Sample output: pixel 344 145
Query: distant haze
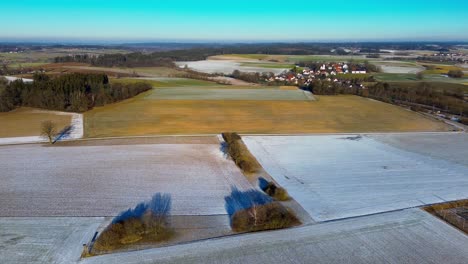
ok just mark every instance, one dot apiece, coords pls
pixel 260 20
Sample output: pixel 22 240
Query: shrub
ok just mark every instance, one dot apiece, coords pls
pixel 252 210
pixel 263 217
pixel 464 120
pixel 240 153
pixel 455 73
pixel 147 221
pixel 270 188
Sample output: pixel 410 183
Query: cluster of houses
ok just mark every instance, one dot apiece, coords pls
pixel 327 71
pixel 453 57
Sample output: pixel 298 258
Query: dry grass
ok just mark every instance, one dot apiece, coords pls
pixel 454 213
pixel 141 116
pixel 439 68
pixel 25 121
pixel 263 217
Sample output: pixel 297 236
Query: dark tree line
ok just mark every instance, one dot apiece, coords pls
pixel 418 95
pixel 74 92
pixel 252 77
pixel 423 95
pixel 136 59
pixel 324 87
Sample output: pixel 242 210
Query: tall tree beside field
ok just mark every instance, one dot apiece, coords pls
pixel 48 131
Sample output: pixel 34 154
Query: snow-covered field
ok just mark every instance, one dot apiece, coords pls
pixel 45 240
pixel 338 176
pixel 398 67
pixel 224 66
pixel 103 180
pixel 408 236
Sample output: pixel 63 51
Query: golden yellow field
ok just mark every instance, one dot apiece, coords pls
pixel 440 68
pixel 143 116
pixel 25 121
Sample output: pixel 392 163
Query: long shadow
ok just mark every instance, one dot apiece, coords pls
pixel 239 200
pixel 64 133
pixel 159 205
pixel 223 147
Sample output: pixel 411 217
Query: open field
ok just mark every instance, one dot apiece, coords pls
pixel 268 65
pixel 165 81
pixel 288 58
pixel 439 68
pixel 451 148
pixel 105 179
pixel 228 66
pixel 73 67
pixel 410 77
pixel 31 58
pixel 409 236
pixel 25 121
pixel 399 67
pixel 229 94
pixel 342 176
pixel 141 71
pixel 144 116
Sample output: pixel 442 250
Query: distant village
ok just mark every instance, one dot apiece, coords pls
pixel 327 71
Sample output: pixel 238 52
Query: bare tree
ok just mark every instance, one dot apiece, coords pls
pixel 48 130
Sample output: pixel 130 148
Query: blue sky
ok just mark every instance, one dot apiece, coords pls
pixel 235 20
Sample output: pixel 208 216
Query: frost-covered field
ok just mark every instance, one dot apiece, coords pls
pixel 452 148
pixel 224 66
pixel 45 240
pixel 408 236
pixel 104 180
pixel 338 176
pixel 399 67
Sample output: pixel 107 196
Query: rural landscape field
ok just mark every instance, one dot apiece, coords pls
pixel 149 132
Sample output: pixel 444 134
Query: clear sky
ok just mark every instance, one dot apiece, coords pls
pixel 234 20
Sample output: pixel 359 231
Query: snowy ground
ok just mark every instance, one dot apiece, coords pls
pixel 409 236
pixel 103 180
pixel 76 133
pixel 398 67
pixel 51 240
pixel 338 176
pixel 12 79
pixel 225 67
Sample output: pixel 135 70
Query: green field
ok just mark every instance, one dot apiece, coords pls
pixel 268 65
pixel 294 58
pixel 227 93
pixel 409 77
